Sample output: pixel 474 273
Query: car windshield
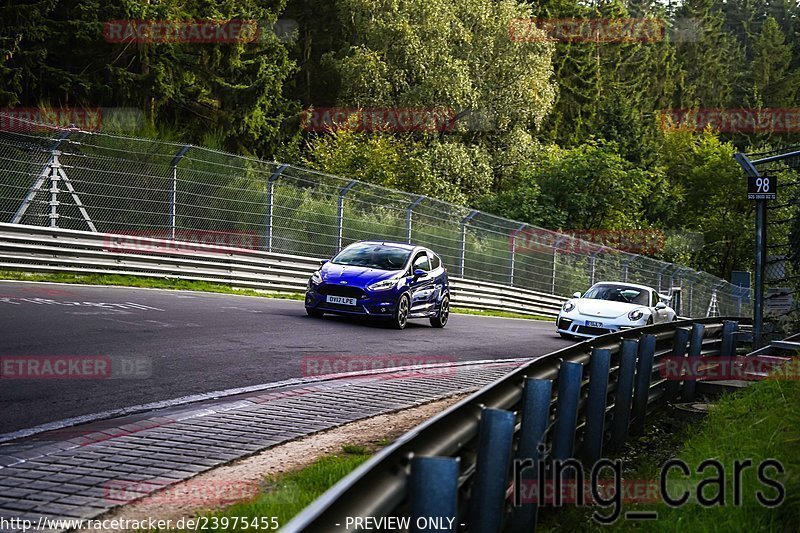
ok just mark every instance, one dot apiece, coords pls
pixel 378 256
pixel 618 293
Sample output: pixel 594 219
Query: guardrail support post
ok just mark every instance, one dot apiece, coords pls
pixel 409 211
pixel 487 500
pixel 599 366
pixel 644 372
pixel 433 492
pixel 463 226
pixel 624 394
pixel 514 252
pixel 728 347
pixel 173 194
pixel 271 203
pixel 535 416
pixel 695 347
pixel 569 390
pixel 340 213
pixel 680 343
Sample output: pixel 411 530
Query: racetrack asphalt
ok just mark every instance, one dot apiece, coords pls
pixel 177 343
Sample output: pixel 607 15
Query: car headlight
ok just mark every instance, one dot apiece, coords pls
pixel 316 278
pixel 567 307
pixel 635 315
pixel 382 285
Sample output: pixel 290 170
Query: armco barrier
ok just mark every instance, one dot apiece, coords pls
pixel 44 249
pixel 457 465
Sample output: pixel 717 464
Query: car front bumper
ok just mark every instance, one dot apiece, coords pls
pixel 368 303
pixel 579 327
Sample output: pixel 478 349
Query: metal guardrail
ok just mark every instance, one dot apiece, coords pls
pixel 459 461
pixel 43 249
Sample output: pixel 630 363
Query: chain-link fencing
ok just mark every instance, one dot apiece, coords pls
pixel 142 187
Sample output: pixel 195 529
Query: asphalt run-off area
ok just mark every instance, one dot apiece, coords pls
pixel 166 344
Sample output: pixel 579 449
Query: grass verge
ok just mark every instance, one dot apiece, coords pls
pixel 501 314
pixel 145 282
pixel 285 496
pixel 760 423
pixel 200 286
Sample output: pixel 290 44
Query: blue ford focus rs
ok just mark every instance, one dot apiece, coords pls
pixel 390 281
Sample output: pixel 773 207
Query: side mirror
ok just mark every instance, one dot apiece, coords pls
pixel 661 305
pixel 323 262
pixel 418 273
pixel 576 295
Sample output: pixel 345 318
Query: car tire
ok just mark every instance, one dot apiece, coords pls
pixel 400 318
pixel 440 320
pixel 565 336
pixel 316 313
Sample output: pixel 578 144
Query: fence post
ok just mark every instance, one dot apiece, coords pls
pixel 271 202
pixel 514 251
pixel 54 179
pixel 409 210
pixel 644 372
pixel 569 390
pixel 340 212
pixel 625 264
pixel 487 500
pixel 173 195
pixel 622 400
pixel 592 259
pixel 660 274
pixel 433 491
pixel 596 402
pixel 463 225
pixel 695 348
pixel 535 417
pixel 555 261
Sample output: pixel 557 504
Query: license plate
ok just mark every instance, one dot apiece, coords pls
pixel 341 300
pixel 594 324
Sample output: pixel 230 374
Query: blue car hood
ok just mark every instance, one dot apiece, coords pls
pixel 354 276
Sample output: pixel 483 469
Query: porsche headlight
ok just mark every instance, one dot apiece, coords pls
pixel 635 315
pixel 567 307
pixel 316 278
pixel 382 285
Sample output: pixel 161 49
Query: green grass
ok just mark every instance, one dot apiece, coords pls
pixel 146 282
pixel 758 423
pixel 501 314
pixel 201 286
pixel 285 496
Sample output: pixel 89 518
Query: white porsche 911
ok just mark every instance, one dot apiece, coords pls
pixel 611 306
